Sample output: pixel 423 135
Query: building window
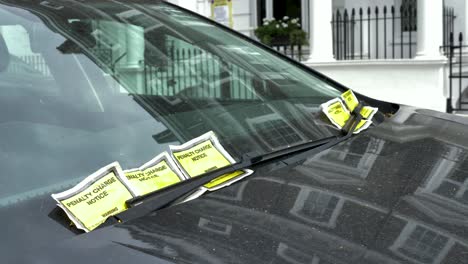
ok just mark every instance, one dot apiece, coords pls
pixel 295 256
pixel 408 15
pixel 289 8
pixel 454 184
pixel 214 226
pixel 317 207
pixel 279 9
pixel 421 244
pixel 261 11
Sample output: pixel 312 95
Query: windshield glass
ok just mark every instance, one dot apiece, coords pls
pixel 86 84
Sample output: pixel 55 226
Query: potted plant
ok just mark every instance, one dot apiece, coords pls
pixel 281 32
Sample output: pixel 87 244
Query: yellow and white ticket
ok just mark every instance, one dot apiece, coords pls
pixel 227 180
pixel 219 183
pixel 156 174
pixel 201 155
pixel 97 197
pixel 368 112
pixel 363 125
pixel 336 111
pixel 339 111
pixel 350 99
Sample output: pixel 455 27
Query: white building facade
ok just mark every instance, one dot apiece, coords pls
pixel 391 51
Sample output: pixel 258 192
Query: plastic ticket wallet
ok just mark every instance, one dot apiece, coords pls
pixel 339 111
pixel 204 154
pixel 368 112
pixel 99 196
pixel 201 155
pixel 156 174
pixel 350 99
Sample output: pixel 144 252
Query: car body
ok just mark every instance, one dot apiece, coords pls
pixel 395 193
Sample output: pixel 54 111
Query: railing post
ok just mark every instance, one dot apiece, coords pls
pixel 368 32
pixel 460 73
pixel 401 31
pixel 353 21
pixel 338 35
pixel 393 32
pixel 361 40
pixel 449 100
pixel 345 34
pixel 385 31
pixel 377 32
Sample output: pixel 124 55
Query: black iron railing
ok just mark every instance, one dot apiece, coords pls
pixel 195 73
pixel 379 32
pixel 293 51
pixel 458 74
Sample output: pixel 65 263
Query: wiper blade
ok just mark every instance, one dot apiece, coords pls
pixel 159 199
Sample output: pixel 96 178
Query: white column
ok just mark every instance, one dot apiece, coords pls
pixel 430 28
pixel 269 9
pixel 320 35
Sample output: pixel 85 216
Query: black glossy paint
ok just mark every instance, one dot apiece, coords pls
pixel 394 194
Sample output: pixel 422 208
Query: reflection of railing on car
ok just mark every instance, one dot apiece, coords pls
pixel 35 61
pixel 197 74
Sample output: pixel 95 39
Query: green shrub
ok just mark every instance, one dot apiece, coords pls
pixel 283 31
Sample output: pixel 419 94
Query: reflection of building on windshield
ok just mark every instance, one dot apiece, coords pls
pixel 318 207
pixel 347 163
pixel 149 58
pixel 294 256
pixel 275 131
pixel 233 193
pixel 449 177
pixel 215 226
pixel 444 195
pixel 423 245
pixel 23 60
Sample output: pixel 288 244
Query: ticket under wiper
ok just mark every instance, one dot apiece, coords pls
pixel 99 196
pixel 156 174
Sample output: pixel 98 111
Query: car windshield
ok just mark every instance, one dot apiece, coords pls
pixel 86 83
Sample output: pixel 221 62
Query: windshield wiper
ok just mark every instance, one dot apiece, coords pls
pixel 159 199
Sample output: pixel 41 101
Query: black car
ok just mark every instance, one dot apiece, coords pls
pixel 84 83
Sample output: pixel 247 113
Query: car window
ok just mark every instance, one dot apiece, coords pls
pixel 27 71
pixel 115 81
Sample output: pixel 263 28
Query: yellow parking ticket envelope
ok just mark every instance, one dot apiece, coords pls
pixel 336 111
pixel 156 174
pixel 363 125
pixel 368 112
pixel 97 197
pixel 350 99
pixel 227 180
pixel 218 183
pixel 201 155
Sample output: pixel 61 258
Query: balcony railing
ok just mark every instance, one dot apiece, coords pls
pixel 386 32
